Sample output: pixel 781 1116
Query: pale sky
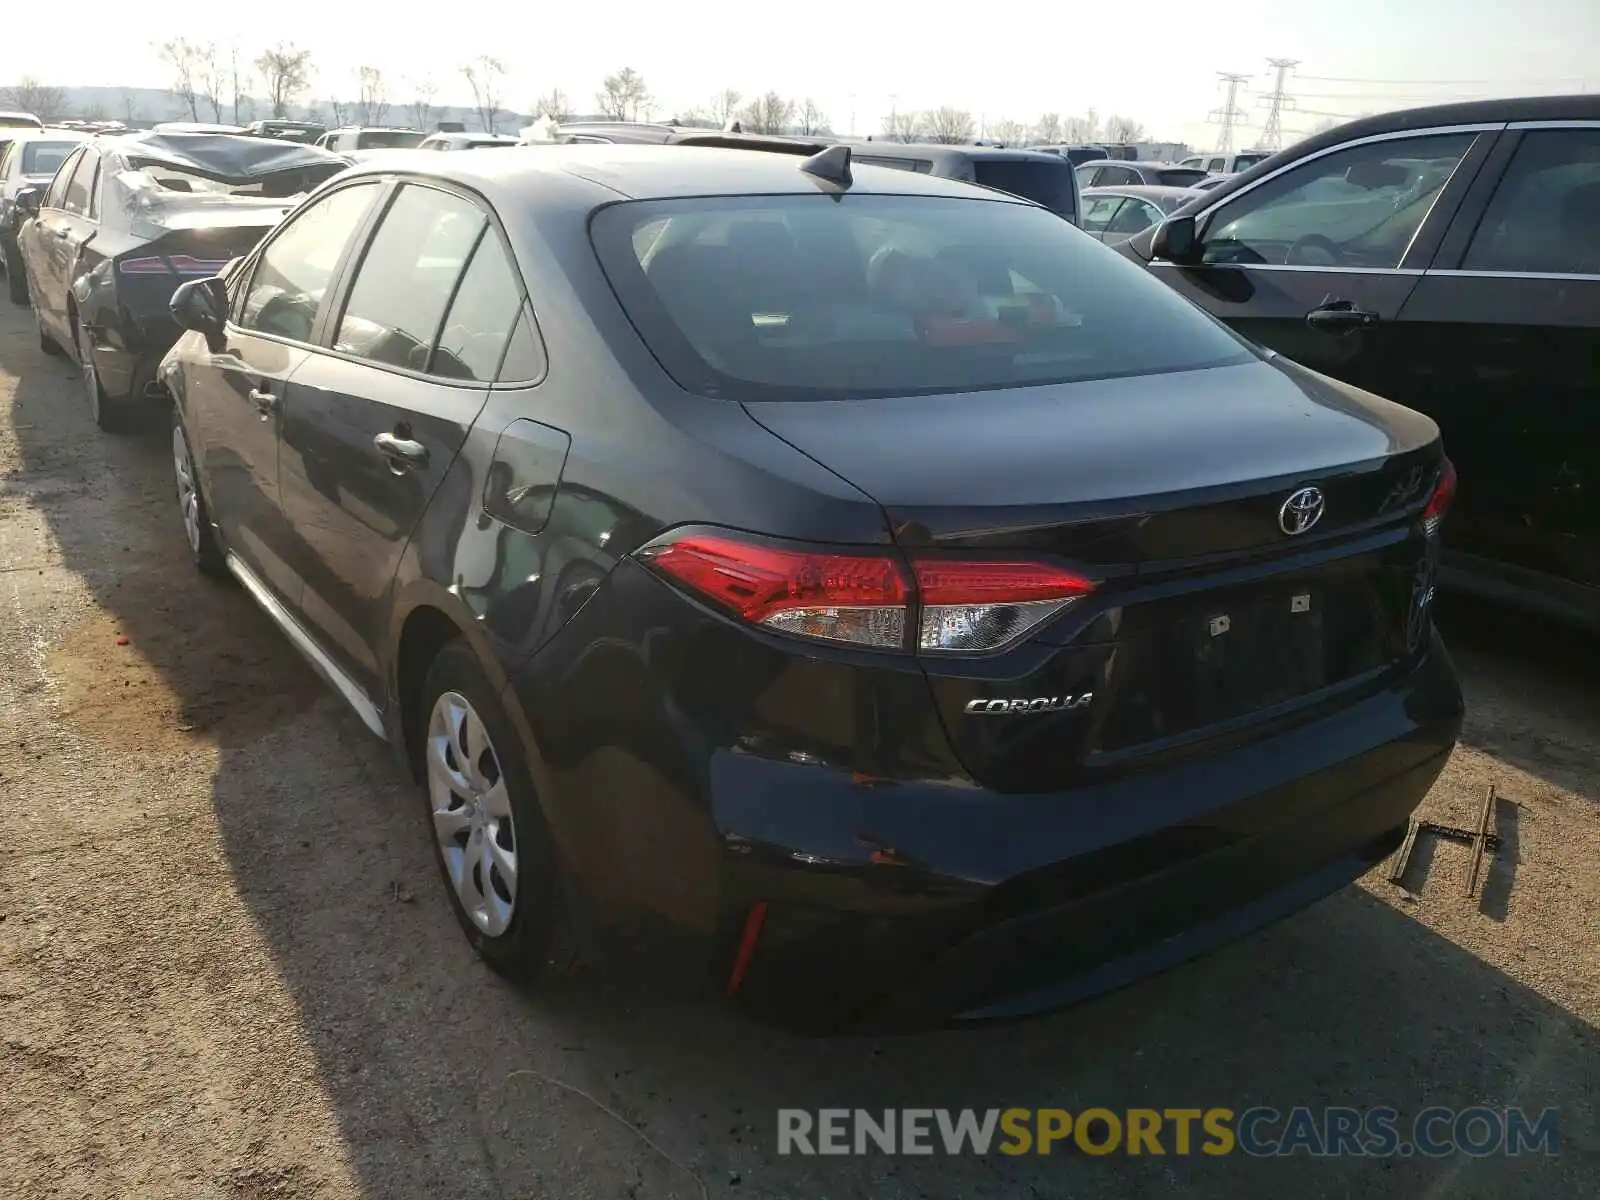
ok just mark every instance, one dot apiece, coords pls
pixel 1155 61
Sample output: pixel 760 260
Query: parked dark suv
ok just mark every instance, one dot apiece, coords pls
pixel 1447 258
pixel 851 591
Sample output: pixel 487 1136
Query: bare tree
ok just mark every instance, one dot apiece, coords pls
pixel 810 117
pixel 950 126
pixel 181 56
pixel 699 118
pixel 1324 125
pixel 1012 133
pixel 95 112
pixel 484 74
pixel 372 102
pixel 31 96
pixel 1081 129
pixel 210 79
pixel 767 114
pixel 1122 130
pixel 340 111
pixel 553 104
pixel 623 96
pixel 239 86
pixel 904 126
pixel 725 105
pixel 421 106
pixel 1047 130
pixel 130 107
pixel 286 74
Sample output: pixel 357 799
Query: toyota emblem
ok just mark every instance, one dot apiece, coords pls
pixel 1301 511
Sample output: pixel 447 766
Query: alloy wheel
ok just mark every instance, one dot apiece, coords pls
pixel 472 818
pixel 188 495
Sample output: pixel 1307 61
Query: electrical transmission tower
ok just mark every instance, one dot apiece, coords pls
pixel 1230 115
pixel 1276 102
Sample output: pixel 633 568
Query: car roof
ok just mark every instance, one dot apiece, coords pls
pixel 637 172
pixel 1148 191
pixel 938 150
pixel 1147 164
pixel 51 133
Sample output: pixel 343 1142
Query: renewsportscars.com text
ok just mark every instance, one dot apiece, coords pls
pixel 1259 1131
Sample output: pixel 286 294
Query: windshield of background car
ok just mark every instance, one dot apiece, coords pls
pixel 43 158
pixel 1046 183
pixel 385 139
pixel 1180 176
pixel 831 298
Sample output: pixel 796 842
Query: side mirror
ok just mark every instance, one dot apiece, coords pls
pixel 201 305
pixel 29 198
pixel 1176 240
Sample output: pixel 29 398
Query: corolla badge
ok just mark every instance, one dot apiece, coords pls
pixel 1038 704
pixel 1301 511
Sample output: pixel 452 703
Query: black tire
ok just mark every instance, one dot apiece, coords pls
pixel 47 343
pixel 16 278
pixel 536 944
pixel 109 415
pixel 205 548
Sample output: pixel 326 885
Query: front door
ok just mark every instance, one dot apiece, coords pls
pixel 1313 262
pixel 54 243
pixel 375 420
pixel 237 387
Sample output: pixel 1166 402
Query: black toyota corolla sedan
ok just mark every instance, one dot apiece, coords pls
pixel 860 594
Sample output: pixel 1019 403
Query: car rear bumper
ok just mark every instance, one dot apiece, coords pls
pixel 905 904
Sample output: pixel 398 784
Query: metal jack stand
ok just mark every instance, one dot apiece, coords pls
pixel 1480 839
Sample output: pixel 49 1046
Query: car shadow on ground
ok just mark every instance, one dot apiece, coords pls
pixel 447 1082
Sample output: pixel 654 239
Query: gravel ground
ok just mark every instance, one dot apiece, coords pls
pixel 226 969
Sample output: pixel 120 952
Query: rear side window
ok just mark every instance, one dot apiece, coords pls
pixel 44 158
pixel 57 194
pixel 1179 177
pixel 485 307
pixel 407 277
pixel 811 297
pixel 1545 217
pixel 1044 182
pixel 76 198
pixel 292 274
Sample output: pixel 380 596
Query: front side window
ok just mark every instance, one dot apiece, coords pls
pixel 1356 207
pixel 58 185
pixel 1133 217
pixel 1545 216
pixel 1216 164
pixel 815 297
pixel 294 269
pixel 407 277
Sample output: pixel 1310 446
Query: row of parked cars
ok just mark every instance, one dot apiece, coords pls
pixel 816 574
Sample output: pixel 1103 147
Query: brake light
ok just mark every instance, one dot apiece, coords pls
pixel 960 605
pixel 1444 494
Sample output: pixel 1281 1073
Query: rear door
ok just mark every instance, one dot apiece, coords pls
pixel 1317 259
pixel 236 388
pixel 374 419
pixel 1518 282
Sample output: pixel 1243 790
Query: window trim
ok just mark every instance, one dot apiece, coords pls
pixel 247 273
pixel 327 325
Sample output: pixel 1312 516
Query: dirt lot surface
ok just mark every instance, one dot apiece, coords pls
pixel 226 969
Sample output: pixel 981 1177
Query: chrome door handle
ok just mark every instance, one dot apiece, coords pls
pixel 401 452
pixel 266 403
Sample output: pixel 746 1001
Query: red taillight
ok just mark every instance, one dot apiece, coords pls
pixel 857 598
pixel 1444 493
pixel 969 605
pixel 976 605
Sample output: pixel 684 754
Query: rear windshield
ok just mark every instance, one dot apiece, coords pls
pixel 42 158
pixel 1046 183
pixel 383 139
pixel 1180 176
pixel 808 297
